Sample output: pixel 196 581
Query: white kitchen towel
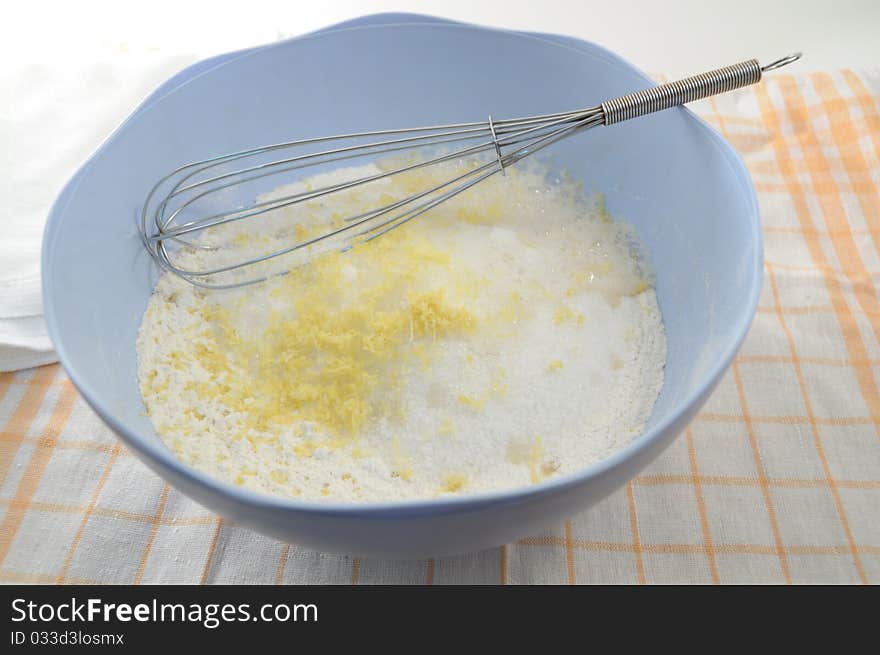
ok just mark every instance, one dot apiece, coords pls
pixel 53 114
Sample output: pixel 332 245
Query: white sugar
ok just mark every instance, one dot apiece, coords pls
pixel 552 360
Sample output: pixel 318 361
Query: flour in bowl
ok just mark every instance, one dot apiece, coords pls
pixel 508 336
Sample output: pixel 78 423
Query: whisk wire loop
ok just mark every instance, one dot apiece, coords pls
pixel 166 226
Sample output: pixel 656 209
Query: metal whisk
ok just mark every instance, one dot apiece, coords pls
pixel 166 220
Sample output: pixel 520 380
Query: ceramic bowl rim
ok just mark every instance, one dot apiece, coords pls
pixel 154 450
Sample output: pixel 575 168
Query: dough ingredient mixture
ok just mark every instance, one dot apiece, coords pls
pixel 508 336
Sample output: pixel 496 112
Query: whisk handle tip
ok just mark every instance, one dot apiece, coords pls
pixel 680 92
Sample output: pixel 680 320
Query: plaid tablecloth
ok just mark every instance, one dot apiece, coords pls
pixel 777 480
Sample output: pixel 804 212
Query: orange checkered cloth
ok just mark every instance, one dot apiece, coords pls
pixel 777 480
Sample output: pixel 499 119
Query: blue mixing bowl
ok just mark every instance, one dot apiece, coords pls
pixel 671 176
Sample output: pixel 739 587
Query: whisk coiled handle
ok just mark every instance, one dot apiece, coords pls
pixel 683 91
